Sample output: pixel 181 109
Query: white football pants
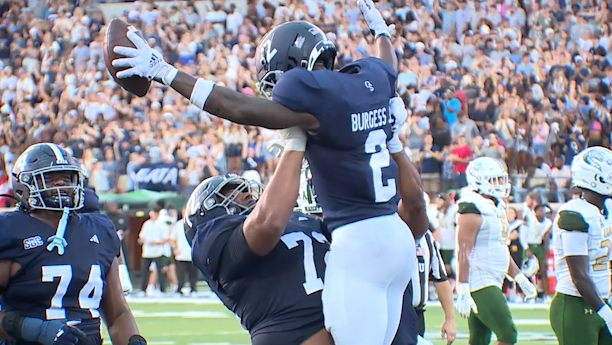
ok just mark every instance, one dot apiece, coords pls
pixel 368 269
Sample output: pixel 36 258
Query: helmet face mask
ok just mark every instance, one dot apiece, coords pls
pixel 291 45
pixel 42 181
pixel 489 177
pixel 221 195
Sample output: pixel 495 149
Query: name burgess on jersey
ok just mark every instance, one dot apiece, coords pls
pixel 368 120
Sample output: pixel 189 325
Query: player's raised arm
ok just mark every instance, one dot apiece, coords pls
pixel 148 63
pixel 412 207
pixel 265 225
pixel 384 47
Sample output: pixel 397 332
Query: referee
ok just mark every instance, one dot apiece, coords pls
pixel 431 266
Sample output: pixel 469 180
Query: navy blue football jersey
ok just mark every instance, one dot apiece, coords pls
pixel 275 293
pixel 51 286
pixel 352 170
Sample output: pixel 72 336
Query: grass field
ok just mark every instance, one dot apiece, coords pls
pixel 204 321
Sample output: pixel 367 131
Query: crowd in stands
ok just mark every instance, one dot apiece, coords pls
pixel 527 82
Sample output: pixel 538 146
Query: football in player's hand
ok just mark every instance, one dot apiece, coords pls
pixel 116 35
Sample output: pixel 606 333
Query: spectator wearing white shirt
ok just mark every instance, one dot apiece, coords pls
pixel 153 236
pixel 182 257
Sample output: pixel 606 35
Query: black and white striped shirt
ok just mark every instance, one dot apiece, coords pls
pixel 429 266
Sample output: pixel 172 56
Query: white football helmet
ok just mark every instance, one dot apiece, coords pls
pixel 489 177
pixel 592 170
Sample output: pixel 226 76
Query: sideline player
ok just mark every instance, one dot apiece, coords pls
pixel 350 126
pixel 58 270
pixel 264 261
pixel 483 255
pixel 582 230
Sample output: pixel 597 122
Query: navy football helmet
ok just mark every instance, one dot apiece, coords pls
pixel 291 45
pixel 217 196
pixel 36 188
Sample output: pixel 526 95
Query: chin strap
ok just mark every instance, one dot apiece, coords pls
pixel 58 241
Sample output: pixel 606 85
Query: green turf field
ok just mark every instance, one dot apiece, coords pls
pixel 204 321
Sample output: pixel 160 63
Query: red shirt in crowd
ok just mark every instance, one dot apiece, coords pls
pixel 463 152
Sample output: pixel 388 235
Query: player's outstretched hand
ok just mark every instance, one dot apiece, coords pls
pixel 143 61
pixel 59 332
pixel 374 19
pixel 528 288
pixel 465 304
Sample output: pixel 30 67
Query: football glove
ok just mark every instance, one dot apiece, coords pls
pixel 143 61
pixel 294 139
pixel 397 109
pixel 53 332
pixel 529 289
pixel 124 277
pixel 376 23
pixel 465 304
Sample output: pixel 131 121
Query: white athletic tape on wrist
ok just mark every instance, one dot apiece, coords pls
pixel 463 289
pixel 521 279
pixel 295 145
pixel 169 75
pixel 605 313
pixel 201 91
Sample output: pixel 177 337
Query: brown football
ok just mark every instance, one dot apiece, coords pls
pixel 116 35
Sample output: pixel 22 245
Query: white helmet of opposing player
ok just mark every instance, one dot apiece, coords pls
pixel 488 176
pixel 592 170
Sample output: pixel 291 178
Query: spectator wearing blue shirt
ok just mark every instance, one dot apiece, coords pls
pixel 451 107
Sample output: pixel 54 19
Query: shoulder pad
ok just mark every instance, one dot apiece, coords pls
pixel 467 207
pixel 103 223
pixel 299 90
pixel 572 221
pixel 209 241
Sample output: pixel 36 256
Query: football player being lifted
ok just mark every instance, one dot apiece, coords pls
pixel 483 255
pixel 58 269
pixel 353 152
pixel 582 238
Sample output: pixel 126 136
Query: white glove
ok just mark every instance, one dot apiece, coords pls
pixel 143 61
pixel 374 19
pixel 606 314
pixel 529 289
pixel 465 304
pixel 397 109
pixel 124 278
pixel 294 139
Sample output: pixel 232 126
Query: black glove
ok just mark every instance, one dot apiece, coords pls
pixel 54 332
pixel 58 332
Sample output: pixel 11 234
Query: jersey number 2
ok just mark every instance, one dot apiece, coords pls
pixel 378 161
pixel 312 282
pixel 89 296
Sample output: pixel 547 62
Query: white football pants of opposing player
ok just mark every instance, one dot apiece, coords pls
pixel 368 269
